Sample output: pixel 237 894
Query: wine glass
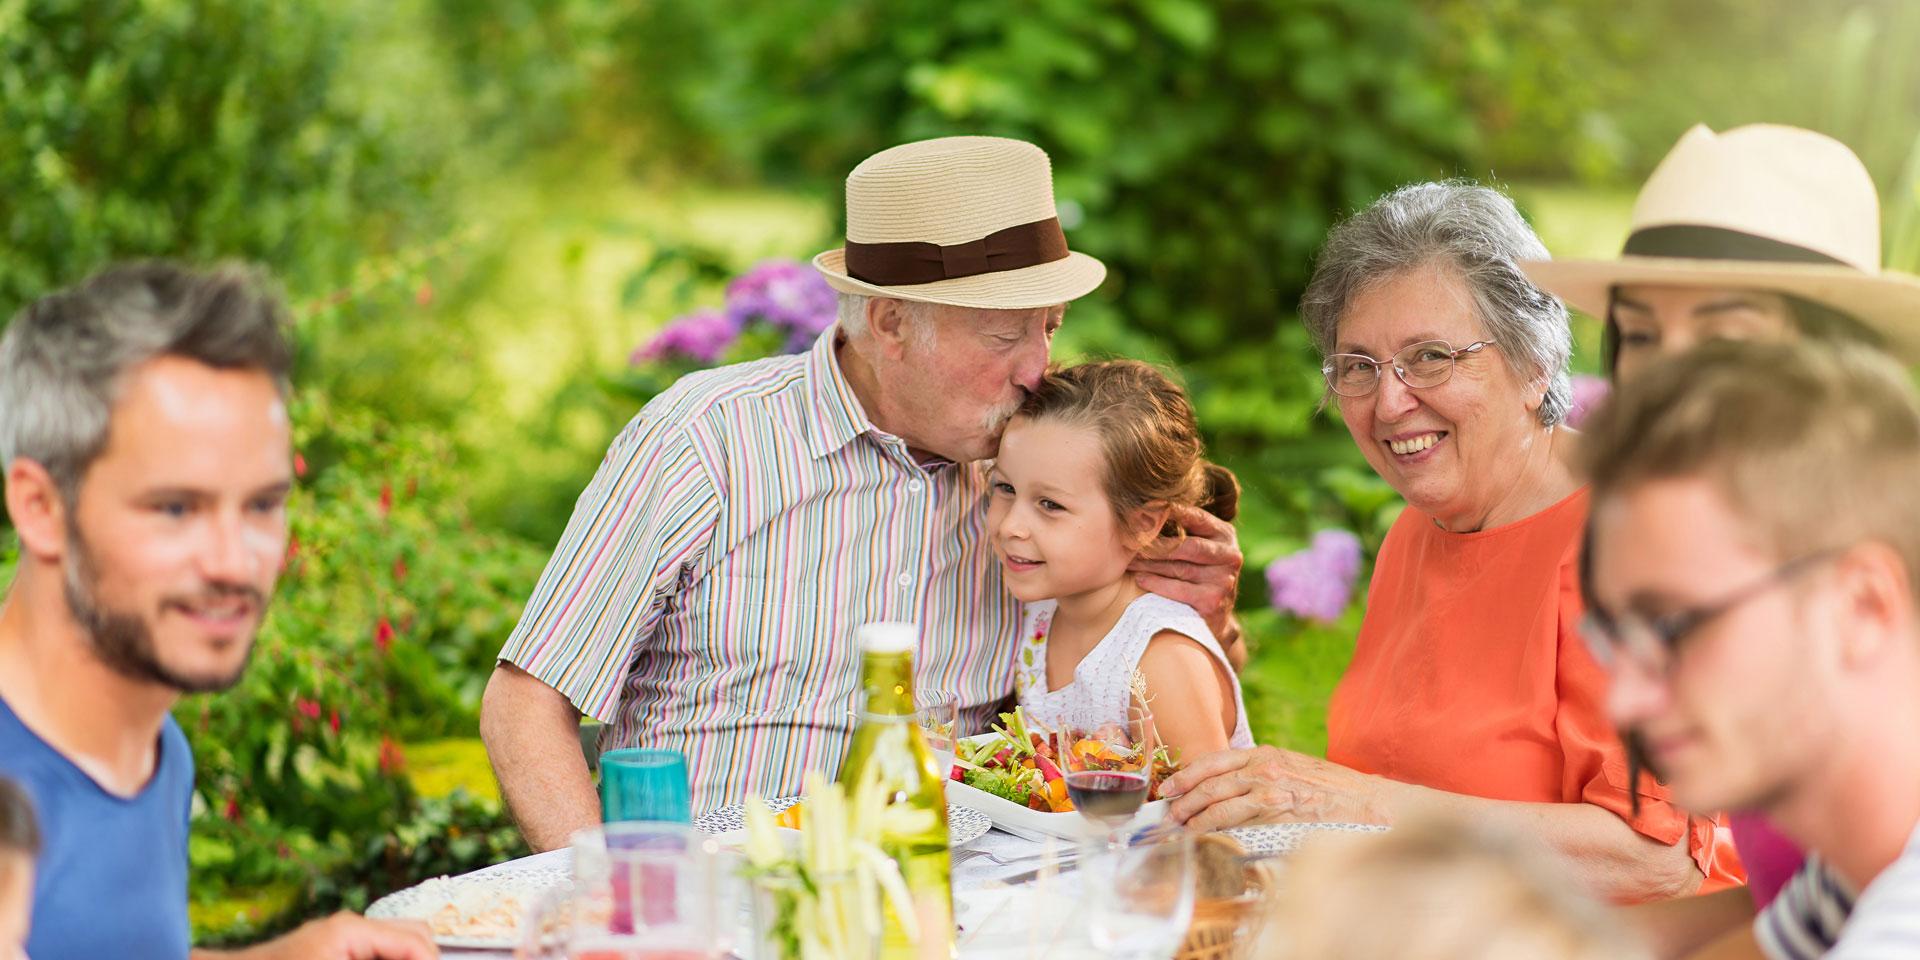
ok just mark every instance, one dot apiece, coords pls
pixel 1139 895
pixel 938 716
pixel 1109 769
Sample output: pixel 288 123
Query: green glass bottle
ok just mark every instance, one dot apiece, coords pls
pixel 888 748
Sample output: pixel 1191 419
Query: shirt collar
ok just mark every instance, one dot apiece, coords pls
pixel 837 415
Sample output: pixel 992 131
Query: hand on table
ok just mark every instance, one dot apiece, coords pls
pixel 1201 570
pixel 1235 788
pixel 346 936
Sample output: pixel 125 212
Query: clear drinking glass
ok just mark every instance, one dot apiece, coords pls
pixel 1138 896
pixel 637 783
pixel 640 891
pixel 938 715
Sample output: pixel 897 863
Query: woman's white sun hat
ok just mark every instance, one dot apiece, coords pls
pixel 966 221
pixel 1759 207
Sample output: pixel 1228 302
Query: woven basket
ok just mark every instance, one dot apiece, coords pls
pixel 1221 925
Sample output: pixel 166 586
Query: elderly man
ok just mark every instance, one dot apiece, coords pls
pixel 143 427
pixel 1755 570
pixel 704 595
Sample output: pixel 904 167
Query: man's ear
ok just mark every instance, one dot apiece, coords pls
pixel 1875 592
pixel 891 324
pixel 38 511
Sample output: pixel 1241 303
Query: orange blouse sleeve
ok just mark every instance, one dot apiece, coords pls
pixel 1595 760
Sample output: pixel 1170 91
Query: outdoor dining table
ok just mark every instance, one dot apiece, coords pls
pixel 1027 918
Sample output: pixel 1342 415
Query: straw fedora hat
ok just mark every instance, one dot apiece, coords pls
pixel 967 221
pixel 1760 207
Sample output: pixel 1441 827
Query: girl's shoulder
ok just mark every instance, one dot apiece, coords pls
pixel 1152 613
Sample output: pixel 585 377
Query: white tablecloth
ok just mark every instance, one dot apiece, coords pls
pixel 1029 919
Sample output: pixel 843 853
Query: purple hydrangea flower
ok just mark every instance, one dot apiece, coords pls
pixel 1317 583
pixel 703 335
pixel 787 294
pixel 1589 392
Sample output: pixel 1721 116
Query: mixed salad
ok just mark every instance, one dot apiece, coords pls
pixel 1022 764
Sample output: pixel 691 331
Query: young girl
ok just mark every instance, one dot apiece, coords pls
pixel 1086 475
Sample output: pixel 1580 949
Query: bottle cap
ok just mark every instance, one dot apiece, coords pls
pixel 887 637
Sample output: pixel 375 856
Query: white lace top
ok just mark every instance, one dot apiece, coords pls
pixel 1103 682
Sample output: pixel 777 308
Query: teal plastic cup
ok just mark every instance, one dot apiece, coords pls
pixel 642 784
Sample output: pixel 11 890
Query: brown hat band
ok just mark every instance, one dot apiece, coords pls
pixel 1717 243
pixel 910 262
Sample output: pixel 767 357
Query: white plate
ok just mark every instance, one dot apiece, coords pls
pixel 1269 839
pixel 964 825
pixel 1032 824
pixel 422 901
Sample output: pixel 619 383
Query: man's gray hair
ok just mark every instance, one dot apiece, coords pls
pixel 64 357
pixel 1478 232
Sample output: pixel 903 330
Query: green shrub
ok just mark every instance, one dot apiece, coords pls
pixel 383 629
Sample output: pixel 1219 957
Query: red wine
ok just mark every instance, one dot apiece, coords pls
pixel 1110 795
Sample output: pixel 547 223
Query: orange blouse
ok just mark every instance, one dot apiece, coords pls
pixel 1470 676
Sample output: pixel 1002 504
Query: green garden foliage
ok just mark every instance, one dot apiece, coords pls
pixel 1201 150
pixel 200 128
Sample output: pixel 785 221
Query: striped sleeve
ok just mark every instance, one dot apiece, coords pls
pixel 1886 918
pixel 1804 921
pixel 637 533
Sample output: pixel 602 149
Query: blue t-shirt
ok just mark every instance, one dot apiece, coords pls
pixel 112 876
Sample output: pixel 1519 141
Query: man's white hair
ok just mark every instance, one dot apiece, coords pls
pixel 918 316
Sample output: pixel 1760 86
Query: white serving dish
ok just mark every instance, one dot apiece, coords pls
pixel 1034 825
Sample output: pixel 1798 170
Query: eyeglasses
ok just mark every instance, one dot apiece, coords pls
pixel 1425 364
pixel 1651 642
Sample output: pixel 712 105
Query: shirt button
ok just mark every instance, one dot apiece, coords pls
pixel 913 485
pixel 906 579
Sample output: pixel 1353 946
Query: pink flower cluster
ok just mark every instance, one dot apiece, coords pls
pixel 1589 392
pixel 1317 583
pixel 787 295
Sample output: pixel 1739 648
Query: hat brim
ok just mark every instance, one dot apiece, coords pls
pixel 1041 285
pixel 1887 303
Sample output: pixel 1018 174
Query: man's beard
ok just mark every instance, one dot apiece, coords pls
pixel 995 420
pixel 124 642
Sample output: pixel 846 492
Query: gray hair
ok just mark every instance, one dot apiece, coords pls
pixel 853 317
pixel 1478 232
pixel 63 358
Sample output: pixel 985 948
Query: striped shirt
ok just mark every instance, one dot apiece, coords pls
pixel 704 595
pixel 1817 914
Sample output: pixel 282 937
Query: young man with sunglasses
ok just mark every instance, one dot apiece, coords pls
pixel 1755 572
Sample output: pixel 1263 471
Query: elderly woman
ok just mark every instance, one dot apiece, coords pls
pixel 1470 692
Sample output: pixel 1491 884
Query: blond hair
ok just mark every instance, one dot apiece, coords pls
pixel 1813 445
pixel 1437 889
pixel 1148 436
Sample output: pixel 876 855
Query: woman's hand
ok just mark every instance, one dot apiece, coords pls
pixel 1269 785
pixel 1201 570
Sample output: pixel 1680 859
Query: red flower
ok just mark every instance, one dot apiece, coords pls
pixel 383 635
pixel 399 569
pixel 299 465
pixel 308 708
pixel 386 499
pixel 393 759
pixel 293 552
pixel 333 720
pixel 232 812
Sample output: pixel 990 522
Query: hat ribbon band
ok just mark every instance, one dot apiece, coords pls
pixel 909 262
pixel 1718 243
